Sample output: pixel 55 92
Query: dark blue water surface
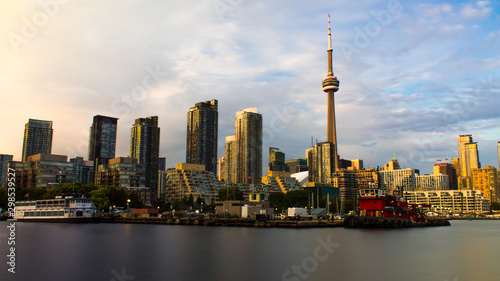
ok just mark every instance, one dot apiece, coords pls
pixel 468 250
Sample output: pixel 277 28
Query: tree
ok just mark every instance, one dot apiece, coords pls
pixel 199 202
pixel 100 198
pixel 190 201
pixel 117 196
pixel 135 201
pixel 277 200
pixel 297 198
pixel 229 193
pixel 106 196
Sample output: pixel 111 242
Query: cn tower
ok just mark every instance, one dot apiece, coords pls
pixel 330 86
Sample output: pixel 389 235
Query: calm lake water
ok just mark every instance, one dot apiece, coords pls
pixel 118 252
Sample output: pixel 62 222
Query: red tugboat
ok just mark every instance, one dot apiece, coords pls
pixel 377 209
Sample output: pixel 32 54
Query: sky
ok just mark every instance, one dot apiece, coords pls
pixel 413 74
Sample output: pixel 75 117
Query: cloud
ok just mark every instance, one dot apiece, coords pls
pixel 395 91
pixel 477 11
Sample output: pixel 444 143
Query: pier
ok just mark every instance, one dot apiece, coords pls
pixel 229 222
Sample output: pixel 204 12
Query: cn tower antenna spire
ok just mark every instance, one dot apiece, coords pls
pixel 329 34
pixel 330 86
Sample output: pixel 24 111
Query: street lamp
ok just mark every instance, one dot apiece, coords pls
pixel 202 207
pixel 128 208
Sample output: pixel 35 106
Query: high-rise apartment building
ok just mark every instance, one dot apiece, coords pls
pixel 102 139
pixel 472 153
pixel 486 180
pixel 462 158
pixel 449 170
pixel 4 158
pixel 398 179
pixel 432 182
pixel 469 155
pixel 202 128
pixel 321 162
pixel 349 181
pixel 468 159
pixel 37 138
pixel 145 146
pixel 243 153
pixel 277 160
pixel 248 132
pixel 229 162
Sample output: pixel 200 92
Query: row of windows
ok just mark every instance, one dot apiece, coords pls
pixel 44 214
pixel 24 204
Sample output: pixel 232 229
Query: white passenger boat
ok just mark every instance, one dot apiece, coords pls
pixel 68 209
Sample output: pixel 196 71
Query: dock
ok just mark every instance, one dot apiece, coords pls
pixel 229 222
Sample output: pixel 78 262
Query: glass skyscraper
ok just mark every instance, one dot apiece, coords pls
pixel 37 138
pixel 202 128
pixel 145 146
pixel 102 140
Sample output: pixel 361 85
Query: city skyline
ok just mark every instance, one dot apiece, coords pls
pixel 426 73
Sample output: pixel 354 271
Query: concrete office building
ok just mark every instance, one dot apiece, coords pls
pixel 297 165
pixel 121 172
pixel 43 171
